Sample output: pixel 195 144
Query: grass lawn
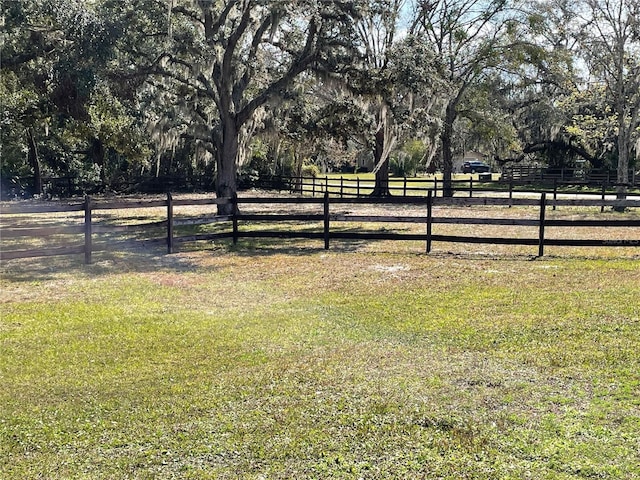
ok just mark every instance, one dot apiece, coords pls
pixel 292 362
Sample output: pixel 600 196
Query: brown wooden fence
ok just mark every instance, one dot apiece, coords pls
pixel 473 185
pixel 86 233
pixel 567 176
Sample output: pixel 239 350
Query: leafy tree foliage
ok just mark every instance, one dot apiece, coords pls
pixel 611 47
pixel 570 96
pixel 471 38
pixel 387 91
pixel 59 105
pixel 108 93
pixel 535 92
pixel 225 62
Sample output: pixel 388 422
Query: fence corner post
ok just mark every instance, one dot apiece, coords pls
pixel 169 223
pixel 88 246
pixel 543 204
pixel 326 220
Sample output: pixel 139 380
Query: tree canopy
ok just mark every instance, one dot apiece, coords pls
pixel 164 93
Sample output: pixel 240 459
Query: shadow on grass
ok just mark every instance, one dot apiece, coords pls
pixel 151 256
pixel 143 259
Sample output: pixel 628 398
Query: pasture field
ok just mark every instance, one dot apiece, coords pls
pixel 279 360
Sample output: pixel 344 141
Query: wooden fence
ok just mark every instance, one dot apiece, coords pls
pixel 526 174
pixel 419 186
pixel 86 231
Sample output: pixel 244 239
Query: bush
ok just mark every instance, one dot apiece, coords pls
pixel 407 161
pixel 310 171
pixel 402 166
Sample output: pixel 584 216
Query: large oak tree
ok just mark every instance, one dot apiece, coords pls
pixel 611 47
pixel 229 59
pixel 471 39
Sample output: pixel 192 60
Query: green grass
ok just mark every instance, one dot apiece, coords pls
pixel 299 363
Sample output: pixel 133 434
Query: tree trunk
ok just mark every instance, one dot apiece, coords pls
pixel 623 175
pixel 624 141
pixel 34 162
pixel 447 150
pixel 297 171
pixel 226 161
pixel 98 153
pixel 381 187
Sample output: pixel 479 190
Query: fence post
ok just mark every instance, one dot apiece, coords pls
pixel 341 186
pixel 604 195
pixel 435 187
pixel 429 219
pixel 326 220
pixel 169 223
pixel 234 218
pixel 326 183
pixel 87 230
pixel 357 187
pixel 313 186
pixel 555 191
pixel 543 203
pixel 404 187
pixel 510 193
pixel 470 187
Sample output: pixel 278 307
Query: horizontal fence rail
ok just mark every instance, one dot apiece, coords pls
pixel 88 234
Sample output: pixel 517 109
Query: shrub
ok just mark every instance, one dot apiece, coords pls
pixel 310 171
